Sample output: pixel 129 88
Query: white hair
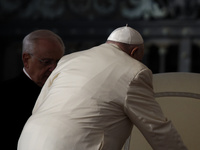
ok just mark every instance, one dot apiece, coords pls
pixel 29 41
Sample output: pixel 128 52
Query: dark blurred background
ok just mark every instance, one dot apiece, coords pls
pixel 170 28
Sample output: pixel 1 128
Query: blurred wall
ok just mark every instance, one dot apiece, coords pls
pixel 171 28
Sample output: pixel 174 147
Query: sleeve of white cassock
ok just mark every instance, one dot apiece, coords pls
pixel 147 116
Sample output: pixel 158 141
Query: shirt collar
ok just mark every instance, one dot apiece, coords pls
pixel 26 73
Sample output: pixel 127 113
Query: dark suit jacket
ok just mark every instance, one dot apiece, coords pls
pixel 18 98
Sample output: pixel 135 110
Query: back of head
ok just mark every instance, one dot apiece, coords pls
pixel 128 40
pixel 126 35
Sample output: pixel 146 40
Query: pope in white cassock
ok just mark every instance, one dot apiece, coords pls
pixel 94 97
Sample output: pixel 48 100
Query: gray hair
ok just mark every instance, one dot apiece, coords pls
pixel 29 41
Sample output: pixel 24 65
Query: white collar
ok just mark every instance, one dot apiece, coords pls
pixel 26 73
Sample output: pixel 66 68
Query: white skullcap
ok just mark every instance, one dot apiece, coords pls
pixel 126 35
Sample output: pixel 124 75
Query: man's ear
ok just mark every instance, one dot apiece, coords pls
pixel 133 51
pixel 25 59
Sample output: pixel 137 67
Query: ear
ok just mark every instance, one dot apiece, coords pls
pixel 133 51
pixel 25 59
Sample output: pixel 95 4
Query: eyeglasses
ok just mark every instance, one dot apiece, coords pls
pixel 46 61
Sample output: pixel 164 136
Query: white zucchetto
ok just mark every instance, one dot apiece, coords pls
pixel 126 35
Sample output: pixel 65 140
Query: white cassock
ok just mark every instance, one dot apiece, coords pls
pixel 91 102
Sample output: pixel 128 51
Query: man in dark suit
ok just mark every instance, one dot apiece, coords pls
pixel 41 51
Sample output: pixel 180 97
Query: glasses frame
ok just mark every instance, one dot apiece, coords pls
pixel 45 62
